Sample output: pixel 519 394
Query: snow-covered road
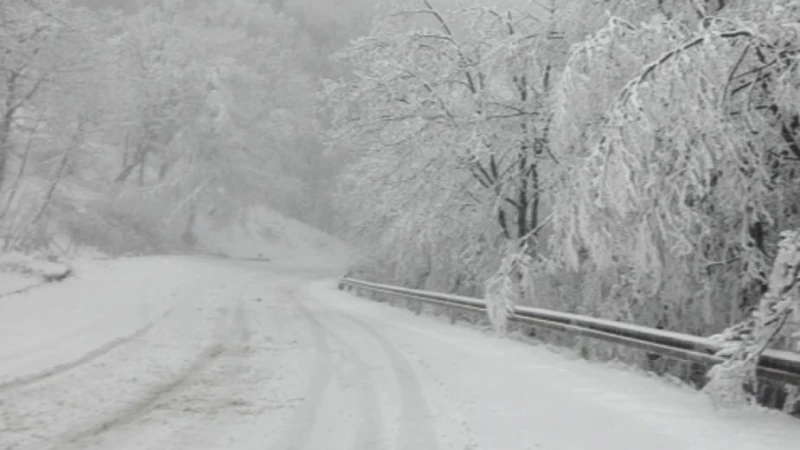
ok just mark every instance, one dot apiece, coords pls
pixel 194 353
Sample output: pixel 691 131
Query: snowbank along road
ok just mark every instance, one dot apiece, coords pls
pixel 197 353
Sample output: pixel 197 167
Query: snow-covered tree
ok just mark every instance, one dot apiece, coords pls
pixel 182 106
pixel 679 134
pixel 448 109
pixel 45 50
pixel 221 112
pixel 52 75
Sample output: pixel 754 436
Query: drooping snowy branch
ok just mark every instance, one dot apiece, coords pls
pixel 665 143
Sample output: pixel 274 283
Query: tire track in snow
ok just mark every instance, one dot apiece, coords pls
pixel 145 403
pixel 231 336
pixel 23 290
pixel 415 431
pixel 150 399
pixel 368 434
pixel 302 423
pixel 85 359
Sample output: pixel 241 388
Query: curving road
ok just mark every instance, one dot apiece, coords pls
pixel 247 355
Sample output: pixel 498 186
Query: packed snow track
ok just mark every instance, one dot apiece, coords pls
pixel 198 353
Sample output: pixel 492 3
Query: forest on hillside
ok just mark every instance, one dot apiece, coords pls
pixel 123 120
pixel 635 160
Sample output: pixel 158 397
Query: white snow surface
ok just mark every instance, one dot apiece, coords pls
pixel 204 353
pixel 14 282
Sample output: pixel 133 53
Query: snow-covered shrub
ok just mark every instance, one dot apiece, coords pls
pixel 500 292
pixel 792 398
pixel 744 343
pixel 511 283
pixel 727 387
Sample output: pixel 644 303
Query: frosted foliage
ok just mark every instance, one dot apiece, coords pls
pixel 132 123
pixel 385 219
pixel 671 147
pixel 444 118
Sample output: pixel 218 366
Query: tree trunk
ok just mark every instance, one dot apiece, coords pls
pixel 5 146
pixel 77 140
pixel 21 170
pixel 142 166
pixel 132 162
pixel 188 235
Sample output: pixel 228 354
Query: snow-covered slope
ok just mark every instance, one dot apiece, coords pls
pixel 263 233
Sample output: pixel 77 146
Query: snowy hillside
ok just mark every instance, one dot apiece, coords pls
pixel 263 233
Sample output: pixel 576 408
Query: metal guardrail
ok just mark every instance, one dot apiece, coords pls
pixel 773 365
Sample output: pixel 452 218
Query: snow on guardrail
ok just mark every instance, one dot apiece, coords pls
pixel 776 365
